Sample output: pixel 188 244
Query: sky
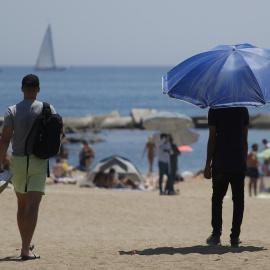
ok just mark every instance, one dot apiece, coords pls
pixel 128 32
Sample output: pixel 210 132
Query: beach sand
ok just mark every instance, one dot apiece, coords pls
pixel 88 228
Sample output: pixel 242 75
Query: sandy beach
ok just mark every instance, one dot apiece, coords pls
pixel 88 228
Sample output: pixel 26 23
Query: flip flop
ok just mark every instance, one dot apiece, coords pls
pixel 26 258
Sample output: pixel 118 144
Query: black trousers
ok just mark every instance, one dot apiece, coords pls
pixel 221 182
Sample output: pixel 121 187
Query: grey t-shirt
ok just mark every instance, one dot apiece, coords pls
pixel 21 117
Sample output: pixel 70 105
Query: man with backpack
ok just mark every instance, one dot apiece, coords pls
pixel 29 172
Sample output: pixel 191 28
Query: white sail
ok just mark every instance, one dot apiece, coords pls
pixel 46 56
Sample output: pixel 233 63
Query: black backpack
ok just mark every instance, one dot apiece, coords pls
pixel 46 135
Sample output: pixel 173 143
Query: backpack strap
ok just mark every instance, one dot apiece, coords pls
pixel 48 169
pixel 47 107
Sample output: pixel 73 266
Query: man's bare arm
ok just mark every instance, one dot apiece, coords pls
pixel 210 151
pixel 4 142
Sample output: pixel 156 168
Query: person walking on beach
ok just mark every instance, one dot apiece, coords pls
pixel 18 122
pixel 173 164
pixel 164 151
pixel 226 164
pixel 253 172
pixel 150 148
pixel 174 157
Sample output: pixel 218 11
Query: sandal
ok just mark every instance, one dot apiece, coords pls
pixel 26 258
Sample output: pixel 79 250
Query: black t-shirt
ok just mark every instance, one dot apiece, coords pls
pixel 229 155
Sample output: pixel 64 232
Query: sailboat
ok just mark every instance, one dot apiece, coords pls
pixel 45 59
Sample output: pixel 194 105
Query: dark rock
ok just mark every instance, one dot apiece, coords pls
pixel 260 121
pixel 200 121
pixel 138 115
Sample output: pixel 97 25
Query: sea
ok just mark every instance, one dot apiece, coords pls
pixel 80 91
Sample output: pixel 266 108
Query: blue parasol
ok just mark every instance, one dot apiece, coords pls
pixel 226 76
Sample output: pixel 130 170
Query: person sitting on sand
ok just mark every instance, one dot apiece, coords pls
pixel 252 171
pixel 60 173
pixel 128 183
pixel 100 180
pixel 114 182
pixel 107 180
pixel 67 170
pixel 110 181
pixel 58 170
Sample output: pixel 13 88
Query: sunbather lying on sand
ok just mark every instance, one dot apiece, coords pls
pixel 110 181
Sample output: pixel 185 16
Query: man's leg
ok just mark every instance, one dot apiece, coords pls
pixel 250 186
pixel 238 194
pixel 150 160
pixel 30 220
pixel 255 186
pixel 161 173
pixel 22 207
pixel 170 181
pixel 220 183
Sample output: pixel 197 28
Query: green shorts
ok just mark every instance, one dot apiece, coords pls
pixel 37 174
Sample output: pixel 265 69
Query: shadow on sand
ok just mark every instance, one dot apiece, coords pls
pixel 11 259
pixel 204 250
